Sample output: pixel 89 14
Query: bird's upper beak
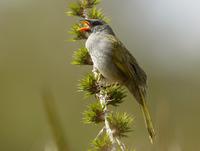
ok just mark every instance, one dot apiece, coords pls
pixel 86 26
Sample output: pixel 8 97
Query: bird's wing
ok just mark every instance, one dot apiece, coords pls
pixel 126 63
pixel 119 57
pixel 136 83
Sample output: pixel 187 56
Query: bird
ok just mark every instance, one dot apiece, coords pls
pixel 116 64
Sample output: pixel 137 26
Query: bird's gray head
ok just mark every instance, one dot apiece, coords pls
pixel 95 25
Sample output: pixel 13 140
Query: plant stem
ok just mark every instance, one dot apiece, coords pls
pixel 109 131
pixel 103 101
pixel 100 133
pixel 85 13
pixel 121 145
pixel 102 98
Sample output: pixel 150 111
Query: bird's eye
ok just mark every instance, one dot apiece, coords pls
pixel 96 23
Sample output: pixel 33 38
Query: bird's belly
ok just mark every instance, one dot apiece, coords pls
pixel 106 67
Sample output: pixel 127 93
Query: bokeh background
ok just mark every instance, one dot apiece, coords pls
pixel 35 53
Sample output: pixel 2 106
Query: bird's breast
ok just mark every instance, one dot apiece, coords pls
pixel 101 52
pixel 100 48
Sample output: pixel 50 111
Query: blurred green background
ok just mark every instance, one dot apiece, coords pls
pixel 164 36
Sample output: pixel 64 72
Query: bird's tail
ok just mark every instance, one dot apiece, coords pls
pixel 139 94
pixel 148 121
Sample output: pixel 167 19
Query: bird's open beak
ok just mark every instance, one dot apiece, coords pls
pixel 86 26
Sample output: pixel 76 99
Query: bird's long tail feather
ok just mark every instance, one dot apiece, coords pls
pixel 139 94
pixel 148 121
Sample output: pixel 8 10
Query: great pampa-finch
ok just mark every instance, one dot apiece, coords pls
pixel 116 64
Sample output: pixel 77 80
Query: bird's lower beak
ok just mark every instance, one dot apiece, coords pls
pixel 86 26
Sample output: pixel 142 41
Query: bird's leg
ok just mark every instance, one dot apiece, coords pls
pixel 109 84
pixel 97 74
pixel 99 77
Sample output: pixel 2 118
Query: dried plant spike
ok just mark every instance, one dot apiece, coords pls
pixel 93 114
pixel 82 57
